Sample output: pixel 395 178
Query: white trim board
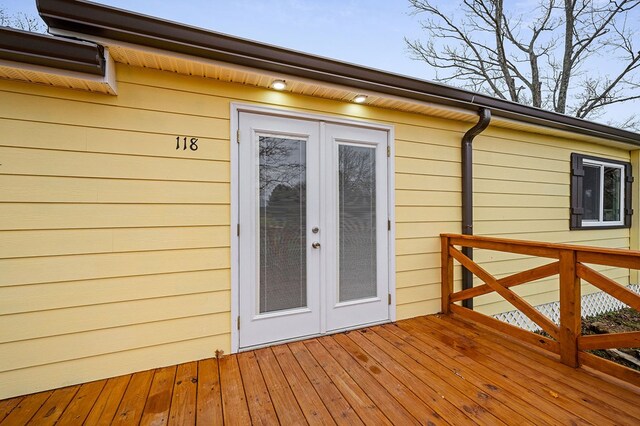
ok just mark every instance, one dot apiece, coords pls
pixel 236 108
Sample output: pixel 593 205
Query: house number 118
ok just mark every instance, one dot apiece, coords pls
pixel 193 143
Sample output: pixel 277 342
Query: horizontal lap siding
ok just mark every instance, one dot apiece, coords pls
pixel 521 191
pixel 427 178
pixel 115 247
pixel 427 203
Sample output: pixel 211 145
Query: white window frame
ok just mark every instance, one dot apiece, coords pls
pixel 601 222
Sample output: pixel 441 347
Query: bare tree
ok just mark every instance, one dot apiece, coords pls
pixel 21 21
pixel 546 57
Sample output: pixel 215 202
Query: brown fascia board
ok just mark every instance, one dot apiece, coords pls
pixel 84 17
pixel 54 52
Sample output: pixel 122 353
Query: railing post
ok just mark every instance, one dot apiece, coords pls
pixel 446 270
pixel 570 314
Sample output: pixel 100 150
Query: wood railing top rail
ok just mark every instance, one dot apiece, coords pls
pixel 566 339
pixel 538 248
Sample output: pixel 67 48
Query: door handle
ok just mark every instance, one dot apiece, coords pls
pixel 315 245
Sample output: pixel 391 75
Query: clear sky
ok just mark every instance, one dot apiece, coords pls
pixel 365 32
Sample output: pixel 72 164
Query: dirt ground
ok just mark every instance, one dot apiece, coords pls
pixel 620 321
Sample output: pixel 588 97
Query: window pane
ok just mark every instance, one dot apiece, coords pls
pixel 612 194
pixel 591 192
pixel 357 222
pixel 283 254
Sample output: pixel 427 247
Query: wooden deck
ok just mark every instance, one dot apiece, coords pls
pixel 428 370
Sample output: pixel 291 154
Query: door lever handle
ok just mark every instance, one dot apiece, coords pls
pixel 315 245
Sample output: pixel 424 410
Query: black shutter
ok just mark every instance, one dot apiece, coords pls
pixel 577 175
pixel 628 185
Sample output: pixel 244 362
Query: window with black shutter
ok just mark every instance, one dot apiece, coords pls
pixel 600 193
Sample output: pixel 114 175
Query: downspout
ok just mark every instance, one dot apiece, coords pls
pixel 467 193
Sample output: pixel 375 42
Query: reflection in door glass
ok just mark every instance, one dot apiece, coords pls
pixel 283 258
pixel 356 222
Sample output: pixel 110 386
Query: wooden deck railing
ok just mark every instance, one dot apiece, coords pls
pixel 569 261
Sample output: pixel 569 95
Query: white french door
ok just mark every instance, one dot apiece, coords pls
pixel 313 246
pixel 355 218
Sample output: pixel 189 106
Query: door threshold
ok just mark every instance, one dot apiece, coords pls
pixel 312 336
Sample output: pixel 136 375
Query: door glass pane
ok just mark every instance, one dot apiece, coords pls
pixel 283 254
pixel 356 222
pixel 611 201
pixel 591 192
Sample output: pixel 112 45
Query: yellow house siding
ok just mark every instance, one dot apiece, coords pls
pixel 115 247
pixel 522 191
pixel 427 167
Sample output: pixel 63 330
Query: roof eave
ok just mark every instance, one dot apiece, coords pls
pixel 53 52
pixel 84 17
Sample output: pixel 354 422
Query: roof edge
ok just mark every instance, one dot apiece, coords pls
pixel 54 52
pixel 84 17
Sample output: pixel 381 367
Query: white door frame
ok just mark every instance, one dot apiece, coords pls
pixel 236 108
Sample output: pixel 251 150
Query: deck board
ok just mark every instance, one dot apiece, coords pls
pixel 78 409
pixel 234 402
pixel 430 372
pixel 464 379
pixel 421 401
pixel 54 406
pixel 552 384
pixel 553 391
pixel 509 379
pixel 209 396
pixel 422 381
pixel 589 384
pixel 310 402
pixel 105 407
pixel 258 398
pixel 436 370
pixel 7 406
pixel 284 402
pixel 156 410
pixel 133 401
pixel 342 412
pixel 357 397
pixel 183 401
pixel 26 409
pixel 396 412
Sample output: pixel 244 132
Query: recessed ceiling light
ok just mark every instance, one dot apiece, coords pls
pixel 360 99
pixel 279 85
